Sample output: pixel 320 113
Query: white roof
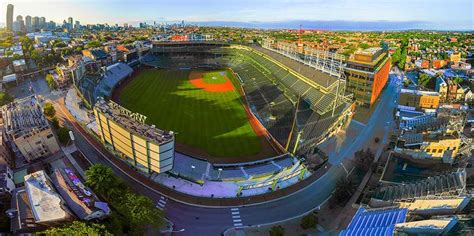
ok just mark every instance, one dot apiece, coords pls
pixel 420 92
pixel 426 224
pixel 46 204
pixel 9 78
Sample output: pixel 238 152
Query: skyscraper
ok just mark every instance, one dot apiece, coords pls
pixel 20 24
pixel 42 22
pixel 35 23
pixel 77 25
pixel 28 23
pixel 9 16
pixel 70 22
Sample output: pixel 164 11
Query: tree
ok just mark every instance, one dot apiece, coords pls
pixel 48 110
pixel 364 159
pixel 424 79
pixel 63 135
pixel 55 122
pixel 364 46
pixel 50 81
pixel 309 221
pixel 344 190
pixel 17 57
pixel 458 80
pixel 277 231
pixel 406 83
pixel 93 44
pixel 141 212
pixel 130 212
pixel 5 98
pixel 102 180
pixel 78 228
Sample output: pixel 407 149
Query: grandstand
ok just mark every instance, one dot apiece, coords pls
pixel 450 184
pixel 296 102
pixel 101 82
pixel 317 107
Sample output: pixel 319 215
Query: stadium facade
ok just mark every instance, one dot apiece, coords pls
pixel 149 149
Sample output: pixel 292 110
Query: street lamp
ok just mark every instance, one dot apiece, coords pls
pixel 192 172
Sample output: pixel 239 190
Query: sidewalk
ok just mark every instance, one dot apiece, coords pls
pixel 230 189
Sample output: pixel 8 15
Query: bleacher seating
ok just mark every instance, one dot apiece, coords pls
pixel 446 184
pixel 261 169
pixel 375 222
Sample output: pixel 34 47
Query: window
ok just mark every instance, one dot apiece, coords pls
pixel 440 150
pixel 49 136
pixel 428 150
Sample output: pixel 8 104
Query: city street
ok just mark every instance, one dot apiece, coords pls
pixel 202 220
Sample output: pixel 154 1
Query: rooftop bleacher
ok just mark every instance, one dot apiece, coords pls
pixel 442 185
pixel 23 116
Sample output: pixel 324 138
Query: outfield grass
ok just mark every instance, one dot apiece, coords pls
pixel 215 122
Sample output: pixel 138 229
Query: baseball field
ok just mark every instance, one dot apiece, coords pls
pixel 203 108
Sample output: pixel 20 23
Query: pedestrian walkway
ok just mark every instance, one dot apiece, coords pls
pixel 72 102
pixel 236 220
pixel 161 203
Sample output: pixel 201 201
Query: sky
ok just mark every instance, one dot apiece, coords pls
pixel 424 14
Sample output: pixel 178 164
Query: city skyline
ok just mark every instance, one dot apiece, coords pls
pixel 337 15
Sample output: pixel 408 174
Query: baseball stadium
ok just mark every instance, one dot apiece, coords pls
pixel 229 103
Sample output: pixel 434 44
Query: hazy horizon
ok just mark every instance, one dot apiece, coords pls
pixel 312 14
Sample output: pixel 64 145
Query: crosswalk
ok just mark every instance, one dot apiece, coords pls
pixel 161 203
pixel 236 217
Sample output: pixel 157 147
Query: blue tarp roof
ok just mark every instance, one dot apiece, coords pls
pixel 375 222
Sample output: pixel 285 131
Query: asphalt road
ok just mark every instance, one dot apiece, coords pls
pixel 197 220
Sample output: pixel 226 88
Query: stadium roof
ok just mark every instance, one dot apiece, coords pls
pixel 320 78
pixel 375 222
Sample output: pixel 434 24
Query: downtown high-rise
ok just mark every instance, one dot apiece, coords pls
pixel 9 16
